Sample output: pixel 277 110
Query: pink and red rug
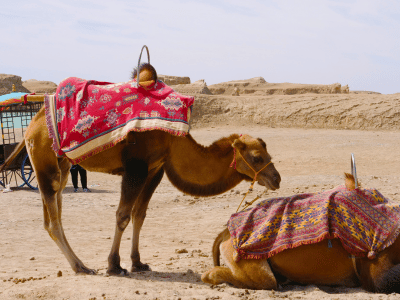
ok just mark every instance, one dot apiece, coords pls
pixel 85 117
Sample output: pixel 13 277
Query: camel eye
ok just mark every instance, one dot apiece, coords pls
pixel 258 159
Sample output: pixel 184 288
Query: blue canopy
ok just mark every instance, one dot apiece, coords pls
pixel 13 95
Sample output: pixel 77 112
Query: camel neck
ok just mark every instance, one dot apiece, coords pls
pixel 199 170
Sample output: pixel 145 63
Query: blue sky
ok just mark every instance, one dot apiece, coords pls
pixel 354 42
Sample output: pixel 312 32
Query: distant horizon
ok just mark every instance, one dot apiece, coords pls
pixel 22 80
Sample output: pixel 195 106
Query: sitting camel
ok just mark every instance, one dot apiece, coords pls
pixel 326 262
pixel 141 159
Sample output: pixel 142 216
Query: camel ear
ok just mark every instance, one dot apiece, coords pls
pixel 262 143
pixel 349 181
pixel 239 144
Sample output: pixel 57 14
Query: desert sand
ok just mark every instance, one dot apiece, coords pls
pixel 310 137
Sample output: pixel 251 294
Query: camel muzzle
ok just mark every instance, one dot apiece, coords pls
pixel 271 181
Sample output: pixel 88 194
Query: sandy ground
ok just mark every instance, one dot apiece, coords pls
pixel 179 230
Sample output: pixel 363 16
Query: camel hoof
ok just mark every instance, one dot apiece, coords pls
pixel 140 267
pixel 118 272
pixel 85 270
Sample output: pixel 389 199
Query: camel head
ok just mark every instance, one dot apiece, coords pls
pixel 253 160
pixel 147 74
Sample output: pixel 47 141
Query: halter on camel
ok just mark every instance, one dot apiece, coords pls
pixel 233 164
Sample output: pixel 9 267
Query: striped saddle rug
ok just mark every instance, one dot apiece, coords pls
pixel 363 219
pixel 85 117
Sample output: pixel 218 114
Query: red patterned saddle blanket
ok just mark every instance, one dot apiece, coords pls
pixel 85 117
pixel 363 219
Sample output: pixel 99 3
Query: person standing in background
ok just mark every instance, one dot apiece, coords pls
pixel 75 169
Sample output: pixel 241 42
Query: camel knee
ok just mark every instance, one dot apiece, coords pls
pixel 123 221
pixel 212 276
pixel 207 277
pixel 49 180
pixel 253 278
pixel 218 275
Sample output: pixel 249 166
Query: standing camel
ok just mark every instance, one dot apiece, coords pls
pixel 322 263
pixel 141 159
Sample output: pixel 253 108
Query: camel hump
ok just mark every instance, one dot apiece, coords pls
pixel 146 71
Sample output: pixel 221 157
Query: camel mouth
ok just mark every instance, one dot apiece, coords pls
pixel 270 183
pixel 273 187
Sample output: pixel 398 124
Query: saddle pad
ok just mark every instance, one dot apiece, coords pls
pixel 363 219
pixel 85 117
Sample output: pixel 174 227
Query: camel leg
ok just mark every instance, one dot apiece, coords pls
pixel 249 273
pixel 389 281
pixel 138 216
pixel 64 166
pixel 52 176
pixel 133 182
pixel 380 275
pixel 218 275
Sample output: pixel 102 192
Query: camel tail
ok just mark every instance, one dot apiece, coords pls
pixel 215 249
pixel 13 155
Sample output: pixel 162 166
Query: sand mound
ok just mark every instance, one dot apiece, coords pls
pixel 255 86
pixel 258 86
pixel 342 111
pixel 7 81
pixel 174 80
pixel 197 87
pixel 183 85
pixel 37 86
pixel 256 101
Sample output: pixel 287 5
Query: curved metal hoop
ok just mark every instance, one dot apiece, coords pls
pixel 353 170
pixel 140 56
